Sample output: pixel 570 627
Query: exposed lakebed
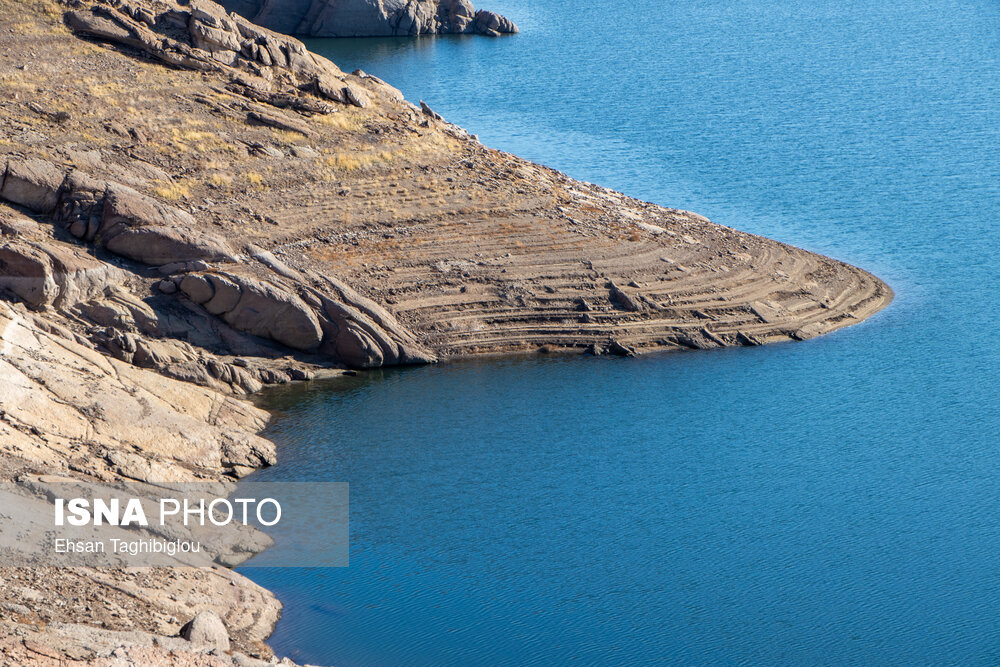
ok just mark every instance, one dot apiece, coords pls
pixel 829 501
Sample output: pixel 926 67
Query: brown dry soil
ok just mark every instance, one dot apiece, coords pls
pixel 113 367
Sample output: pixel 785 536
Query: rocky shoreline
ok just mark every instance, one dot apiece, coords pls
pixel 193 208
pixel 371 18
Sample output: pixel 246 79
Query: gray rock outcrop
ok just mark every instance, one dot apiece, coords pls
pixel 257 307
pixel 203 37
pixel 334 320
pixel 208 629
pixel 492 24
pixel 316 314
pixel 116 407
pixel 371 18
pixel 31 183
pixel 143 229
pixel 52 273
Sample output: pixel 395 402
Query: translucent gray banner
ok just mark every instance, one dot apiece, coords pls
pixel 58 521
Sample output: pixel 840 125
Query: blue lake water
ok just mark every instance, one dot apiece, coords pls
pixel 829 502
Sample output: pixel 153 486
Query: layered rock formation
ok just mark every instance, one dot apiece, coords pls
pixel 305 313
pixel 372 18
pixel 193 207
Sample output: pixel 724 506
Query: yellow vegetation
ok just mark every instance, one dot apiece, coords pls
pixel 202 141
pixel 191 136
pixel 341 162
pixel 220 180
pixel 15 81
pixel 47 8
pixel 172 191
pixel 288 136
pixel 346 119
pixel 48 15
pixel 106 89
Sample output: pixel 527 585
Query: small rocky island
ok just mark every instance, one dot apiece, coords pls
pixel 194 207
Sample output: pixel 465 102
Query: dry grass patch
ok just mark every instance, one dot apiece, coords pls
pixel 346 119
pixel 172 191
pixel 343 162
pixel 356 161
pixel 286 136
pixel 197 140
pixel 47 14
pixel 220 180
pixel 10 82
pixel 105 90
pixel 47 8
pixel 194 136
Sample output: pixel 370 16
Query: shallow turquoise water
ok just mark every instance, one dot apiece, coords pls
pixel 832 502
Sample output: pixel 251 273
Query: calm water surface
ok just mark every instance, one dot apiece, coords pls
pixel 830 502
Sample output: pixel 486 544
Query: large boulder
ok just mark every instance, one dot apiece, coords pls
pixel 216 34
pixel 461 14
pixel 412 351
pixel 155 35
pixel 256 307
pixel 165 245
pixel 119 309
pixel 197 288
pixel 360 332
pixel 207 629
pixel 207 38
pixel 351 338
pixel 491 23
pixel 148 231
pixel 26 272
pixel 268 311
pixel 336 321
pixel 104 23
pixel 33 184
pixel 226 295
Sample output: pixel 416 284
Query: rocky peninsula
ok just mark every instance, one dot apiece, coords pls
pixel 194 207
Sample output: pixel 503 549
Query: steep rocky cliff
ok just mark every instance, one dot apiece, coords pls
pixel 371 18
